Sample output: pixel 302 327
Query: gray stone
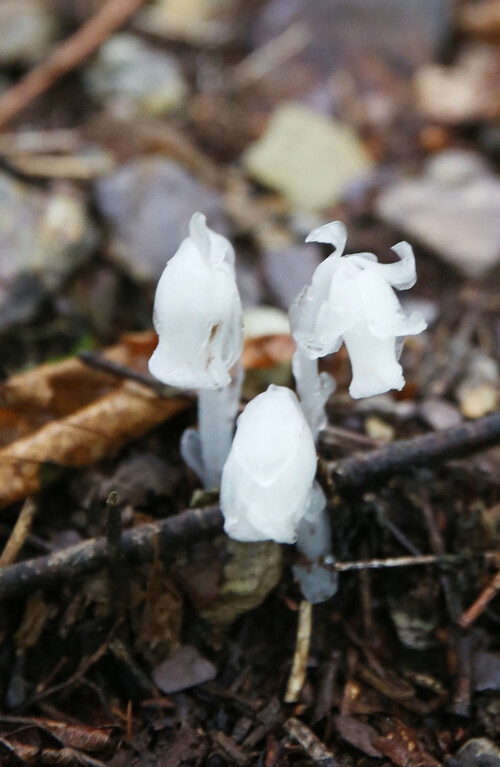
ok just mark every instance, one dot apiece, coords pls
pixel 186 668
pixel 148 203
pixel 28 30
pixel 479 752
pixel 311 159
pixel 453 208
pixel 43 235
pixel 128 74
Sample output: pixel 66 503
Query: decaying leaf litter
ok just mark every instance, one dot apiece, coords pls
pixel 174 646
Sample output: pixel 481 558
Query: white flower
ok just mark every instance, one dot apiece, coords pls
pixel 352 300
pixel 270 470
pixel 197 312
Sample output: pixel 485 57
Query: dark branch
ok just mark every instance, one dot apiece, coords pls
pixel 459 441
pixel 138 545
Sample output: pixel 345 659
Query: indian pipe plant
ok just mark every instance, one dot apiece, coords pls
pixel 266 471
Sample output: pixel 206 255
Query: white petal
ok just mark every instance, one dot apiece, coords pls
pixel 307 312
pixel 381 308
pixel 333 233
pixel 403 274
pixel 375 369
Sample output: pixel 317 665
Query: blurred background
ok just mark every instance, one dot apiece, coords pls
pixel 118 120
pixel 271 117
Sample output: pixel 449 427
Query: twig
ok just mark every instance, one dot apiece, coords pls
pixel 116 570
pixel 19 533
pixel 405 454
pixel 299 666
pixel 445 560
pixel 99 362
pixel 271 55
pixel 189 525
pixel 138 545
pixel 66 57
pixel 479 606
pixel 309 742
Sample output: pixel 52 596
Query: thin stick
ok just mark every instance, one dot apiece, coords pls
pixel 138 545
pixel 19 533
pixel 478 607
pixel 98 362
pixel 66 57
pixel 445 560
pixel 403 455
pixel 299 666
pixel 309 742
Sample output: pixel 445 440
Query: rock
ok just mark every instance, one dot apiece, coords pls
pixel 342 31
pixel 466 92
pixel 186 668
pixel 28 30
pixel 439 414
pixel 193 21
pixel 452 208
pixel 309 158
pixel 379 430
pixel 43 235
pixel 477 400
pixel 415 622
pixel 134 76
pixel 478 393
pixel 479 752
pixel 265 321
pixel 148 203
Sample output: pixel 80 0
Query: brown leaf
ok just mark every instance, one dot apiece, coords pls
pixel 401 744
pixel 358 734
pixel 96 431
pixel 67 414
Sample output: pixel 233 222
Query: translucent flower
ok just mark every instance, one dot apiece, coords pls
pixel 197 312
pixel 351 299
pixel 268 476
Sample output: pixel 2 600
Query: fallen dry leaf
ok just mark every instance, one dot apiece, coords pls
pixel 69 415
pixel 94 432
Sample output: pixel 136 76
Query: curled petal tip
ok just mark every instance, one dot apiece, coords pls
pixel 334 233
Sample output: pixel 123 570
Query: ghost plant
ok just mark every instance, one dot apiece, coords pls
pixel 351 300
pixel 268 490
pixel 198 318
pixel 268 476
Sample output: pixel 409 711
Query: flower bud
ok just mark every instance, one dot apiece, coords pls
pixel 197 313
pixel 270 470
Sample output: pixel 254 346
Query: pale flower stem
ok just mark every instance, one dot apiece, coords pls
pixel 313 390
pixel 217 411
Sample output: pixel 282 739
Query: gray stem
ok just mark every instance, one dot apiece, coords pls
pixel 313 388
pixel 217 411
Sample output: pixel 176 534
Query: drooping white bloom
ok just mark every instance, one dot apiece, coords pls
pixel 351 299
pixel 270 470
pixel 197 312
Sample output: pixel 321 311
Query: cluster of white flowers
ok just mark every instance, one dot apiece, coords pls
pixel 266 473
